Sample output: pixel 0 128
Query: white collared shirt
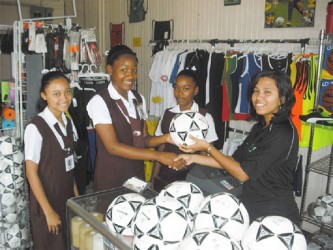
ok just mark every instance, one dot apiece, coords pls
pixel 99 112
pixel 211 135
pixel 33 139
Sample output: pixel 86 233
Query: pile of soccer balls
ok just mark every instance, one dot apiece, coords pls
pixel 13 201
pixel 181 217
pixel 322 209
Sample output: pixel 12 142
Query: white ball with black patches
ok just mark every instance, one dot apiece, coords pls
pixel 163 221
pixel 274 233
pixel 209 239
pixel 223 211
pixel 8 145
pixel 13 236
pixel 188 123
pixel 121 211
pixel 187 193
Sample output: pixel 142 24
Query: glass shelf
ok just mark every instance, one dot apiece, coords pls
pixel 86 205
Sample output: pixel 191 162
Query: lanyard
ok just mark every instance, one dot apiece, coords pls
pixel 135 125
pixel 68 140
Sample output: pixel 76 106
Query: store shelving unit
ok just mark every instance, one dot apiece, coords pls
pixel 14 220
pixel 324 165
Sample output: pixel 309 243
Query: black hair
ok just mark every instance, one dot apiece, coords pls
pixel 117 51
pixel 45 82
pixel 286 92
pixel 189 73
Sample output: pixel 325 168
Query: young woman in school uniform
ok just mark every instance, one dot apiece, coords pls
pixel 119 116
pixel 49 154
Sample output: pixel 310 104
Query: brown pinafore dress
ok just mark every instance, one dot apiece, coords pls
pixel 111 170
pixel 58 186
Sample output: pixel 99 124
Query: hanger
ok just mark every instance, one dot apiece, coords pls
pixel 87 71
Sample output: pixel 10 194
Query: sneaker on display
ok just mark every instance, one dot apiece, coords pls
pixel 317 115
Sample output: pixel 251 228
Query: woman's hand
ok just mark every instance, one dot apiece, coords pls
pixel 200 145
pixel 169 159
pixel 188 158
pixel 169 139
pixel 53 222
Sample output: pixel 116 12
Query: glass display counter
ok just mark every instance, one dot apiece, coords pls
pixel 86 216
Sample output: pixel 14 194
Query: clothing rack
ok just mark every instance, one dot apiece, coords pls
pixel 232 42
pixel 235 130
pixel 5 26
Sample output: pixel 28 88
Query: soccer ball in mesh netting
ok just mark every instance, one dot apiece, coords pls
pixel 24 233
pixel 121 211
pixel 223 211
pixel 8 145
pixel 162 220
pixel 21 201
pixel 326 201
pixel 8 208
pixel 12 237
pixel 16 160
pixel 319 213
pixel 274 233
pixel 187 193
pixel 209 239
pixel 279 21
pixel 188 123
pixel 11 178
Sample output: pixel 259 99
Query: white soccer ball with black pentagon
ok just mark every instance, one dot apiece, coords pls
pixel 326 201
pixel 187 193
pixel 19 178
pixel 3 164
pixel 13 236
pixel 16 160
pixel 7 180
pixel 145 243
pixel 279 21
pixel 121 211
pixel 8 208
pixel 209 239
pixel 319 213
pixel 24 234
pixel 8 145
pixel 223 211
pixel 273 233
pixel 162 220
pixel 10 216
pixel 11 178
pixel 188 123
pixel 21 202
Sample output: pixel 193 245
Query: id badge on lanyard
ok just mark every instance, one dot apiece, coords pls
pixel 139 108
pixel 69 159
pixel 69 162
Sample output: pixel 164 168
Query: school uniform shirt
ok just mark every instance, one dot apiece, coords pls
pixel 103 115
pixel 269 156
pixel 168 174
pixel 111 170
pixel 45 146
pixel 34 138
